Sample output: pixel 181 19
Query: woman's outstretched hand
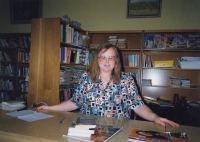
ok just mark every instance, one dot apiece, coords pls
pixel 42 108
pixel 164 121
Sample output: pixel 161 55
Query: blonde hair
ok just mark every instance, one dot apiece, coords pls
pixel 95 70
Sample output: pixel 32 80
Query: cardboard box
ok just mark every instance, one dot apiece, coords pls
pixel 189 62
pixel 164 63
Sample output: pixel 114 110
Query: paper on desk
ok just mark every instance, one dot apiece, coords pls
pixel 29 115
pixel 19 113
pixel 34 116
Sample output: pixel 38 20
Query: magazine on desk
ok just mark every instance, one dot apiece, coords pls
pixel 137 135
pixel 102 133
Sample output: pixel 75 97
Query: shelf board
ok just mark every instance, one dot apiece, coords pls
pixel 160 68
pixel 116 32
pixel 71 45
pixel 129 49
pixel 72 64
pixel 22 92
pixel 170 87
pixel 132 67
pixel 9 48
pixel 172 49
pixel 173 31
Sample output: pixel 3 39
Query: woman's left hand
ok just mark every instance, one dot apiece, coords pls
pixel 164 121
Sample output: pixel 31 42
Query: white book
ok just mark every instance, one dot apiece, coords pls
pixel 112 37
pixel 79 130
pixel 79 134
pixel 68 35
pixel 65 55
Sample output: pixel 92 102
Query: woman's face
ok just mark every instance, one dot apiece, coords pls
pixel 106 60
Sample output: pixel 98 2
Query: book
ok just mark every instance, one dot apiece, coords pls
pixel 68 37
pixel 78 134
pixel 102 134
pixel 82 127
pixel 84 123
pixel 181 41
pixel 154 136
pixel 69 52
pixel 171 41
pixel 160 40
pixel 148 40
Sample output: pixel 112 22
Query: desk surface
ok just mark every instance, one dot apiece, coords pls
pixel 14 129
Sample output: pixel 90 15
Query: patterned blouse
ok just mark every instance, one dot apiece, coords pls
pixel 113 100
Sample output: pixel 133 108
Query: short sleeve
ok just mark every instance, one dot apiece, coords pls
pixel 77 97
pixel 134 97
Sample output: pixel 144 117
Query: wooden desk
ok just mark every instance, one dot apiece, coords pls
pixel 49 130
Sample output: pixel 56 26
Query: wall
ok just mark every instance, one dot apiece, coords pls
pixel 110 15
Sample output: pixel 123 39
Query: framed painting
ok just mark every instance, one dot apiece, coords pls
pixel 22 11
pixel 143 8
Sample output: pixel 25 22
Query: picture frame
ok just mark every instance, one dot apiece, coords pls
pixel 143 8
pixel 22 11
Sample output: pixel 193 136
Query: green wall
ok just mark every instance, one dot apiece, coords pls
pixel 110 15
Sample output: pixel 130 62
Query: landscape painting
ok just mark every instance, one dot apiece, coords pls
pixel 143 8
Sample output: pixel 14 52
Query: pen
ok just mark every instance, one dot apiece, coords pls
pixel 62 120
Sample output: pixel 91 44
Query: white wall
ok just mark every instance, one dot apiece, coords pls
pixel 111 15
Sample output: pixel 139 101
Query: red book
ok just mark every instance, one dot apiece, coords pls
pixel 69 51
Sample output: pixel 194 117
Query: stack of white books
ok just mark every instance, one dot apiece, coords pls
pixel 12 105
pixel 175 81
pixel 185 83
pixel 122 43
pixel 179 82
pixel 83 126
pixel 88 129
pixel 113 40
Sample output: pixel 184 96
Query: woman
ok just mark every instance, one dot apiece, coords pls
pixel 106 91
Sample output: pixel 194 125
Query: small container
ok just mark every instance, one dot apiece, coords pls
pixel 176 100
pixel 66 18
pixel 183 101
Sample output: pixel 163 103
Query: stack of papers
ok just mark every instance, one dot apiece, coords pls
pixel 29 115
pixel 12 105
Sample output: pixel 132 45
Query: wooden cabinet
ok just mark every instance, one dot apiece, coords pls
pixel 45 59
pixel 159 75
pixel 14 66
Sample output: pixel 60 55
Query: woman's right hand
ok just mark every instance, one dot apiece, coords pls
pixel 42 108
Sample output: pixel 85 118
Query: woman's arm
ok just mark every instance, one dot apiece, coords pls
pixel 146 113
pixel 73 103
pixel 65 106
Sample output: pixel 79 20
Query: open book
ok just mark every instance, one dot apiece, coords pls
pixel 137 135
pixel 102 134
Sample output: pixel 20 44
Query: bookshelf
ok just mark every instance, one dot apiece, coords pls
pixel 45 64
pixel 48 37
pixel 14 66
pixel 159 75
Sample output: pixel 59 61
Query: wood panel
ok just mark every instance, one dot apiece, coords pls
pixel 44 61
